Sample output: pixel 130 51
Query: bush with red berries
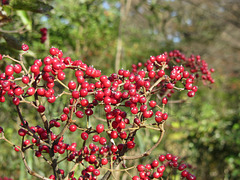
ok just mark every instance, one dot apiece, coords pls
pixel 131 100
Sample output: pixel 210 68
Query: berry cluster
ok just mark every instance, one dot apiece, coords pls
pixel 5 178
pixel 130 100
pixel 44 34
pixel 156 169
pixel 5 2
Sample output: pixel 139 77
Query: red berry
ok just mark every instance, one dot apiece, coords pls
pixel 72 85
pixel 102 140
pixel 96 138
pixel 104 161
pixel 35 69
pixel 9 70
pixel 114 134
pixel 161 158
pixel 84 136
pixel 61 75
pixel 100 128
pixel 168 156
pixel 25 47
pixel 161 169
pixel 148 166
pixel 152 103
pixel 155 163
pixel 41 108
pixel 156 175
pixel 164 100
pixel 135 178
pixel 17 68
pixel 79 114
pixel 184 173
pixel 130 144
pixel 161 73
pixel 1 129
pixel 140 168
pixel 53 51
pixel 72 127
pixel 191 93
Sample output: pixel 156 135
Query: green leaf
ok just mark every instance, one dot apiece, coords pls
pixel 31 5
pixel 12 41
pixel 25 19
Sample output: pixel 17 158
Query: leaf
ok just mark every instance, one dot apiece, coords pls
pixel 31 5
pixel 12 41
pixel 25 19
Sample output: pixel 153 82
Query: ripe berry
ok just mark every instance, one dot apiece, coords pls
pixel 161 158
pixel 102 140
pixel 148 166
pixel 96 138
pixel 156 175
pixel 164 116
pixel 168 156
pixel 114 148
pixel 164 100
pixel 161 73
pixel 96 172
pixel 9 70
pixel 184 173
pixel 63 117
pixel 72 127
pixel 155 163
pixel 16 101
pixel 123 135
pixel 41 108
pixel 191 93
pixel 72 85
pixel 61 75
pixel 152 103
pixel 53 51
pixel 130 144
pixel 25 47
pixel 35 69
pixel 161 169
pixel 135 178
pixel 17 68
pixel 104 161
pixel 84 136
pixel 100 128
pixel 1 129
pixel 170 85
pixel 182 167
pixel 79 114
pixel 25 79
pixel 188 86
pixel 140 168
pixel 114 134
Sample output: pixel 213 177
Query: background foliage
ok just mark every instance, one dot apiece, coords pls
pixel 111 34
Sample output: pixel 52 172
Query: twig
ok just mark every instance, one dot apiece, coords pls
pixel 148 152
pixel 29 170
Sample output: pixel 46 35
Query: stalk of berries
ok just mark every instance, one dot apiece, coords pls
pixel 130 101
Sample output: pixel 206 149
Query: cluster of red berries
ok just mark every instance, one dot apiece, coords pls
pixel 44 34
pixel 156 169
pixel 127 98
pixel 5 178
pixel 5 2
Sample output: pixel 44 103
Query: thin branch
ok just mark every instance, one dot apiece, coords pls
pixel 29 170
pixel 148 152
